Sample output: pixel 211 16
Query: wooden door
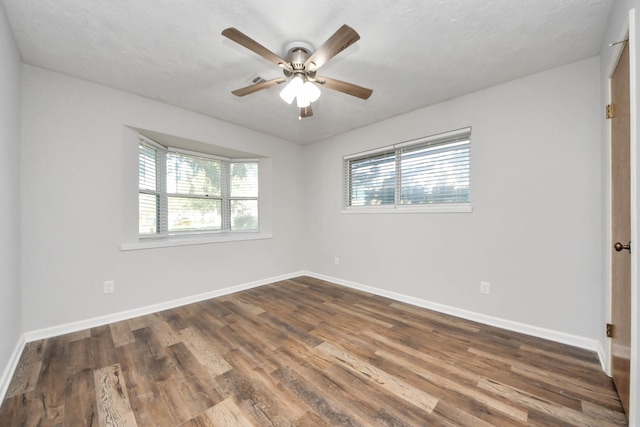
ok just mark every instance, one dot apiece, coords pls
pixel 621 229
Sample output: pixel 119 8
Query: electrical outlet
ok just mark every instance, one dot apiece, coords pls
pixel 485 288
pixel 109 287
pixel 336 260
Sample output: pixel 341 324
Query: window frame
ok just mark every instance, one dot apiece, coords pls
pixel 396 151
pixel 163 196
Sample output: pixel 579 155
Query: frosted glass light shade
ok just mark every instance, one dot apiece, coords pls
pixel 302 99
pixel 304 92
pixel 291 90
pixel 311 91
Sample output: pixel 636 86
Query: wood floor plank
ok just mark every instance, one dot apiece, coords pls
pixel 246 307
pixel 179 401
pixel 75 336
pixel 596 411
pixel 451 387
pixel 463 371
pixel 27 372
pixel 317 402
pixel 394 385
pixel 275 399
pixel 114 408
pixel 535 372
pixel 569 415
pixel 340 395
pixel 140 322
pixel 227 414
pixel 198 380
pixel 204 352
pixel 163 331
pixel 104 351
pixel 257 345
pixel 352 393
pixel 121 333
pixel 451 384
pixel 26 409
pixel 143 364
pixel 306 352
pixel 199 421
pixel 256 401
pixel 78 410
pixel 52 381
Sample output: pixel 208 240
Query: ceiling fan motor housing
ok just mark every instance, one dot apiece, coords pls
pixel 297 54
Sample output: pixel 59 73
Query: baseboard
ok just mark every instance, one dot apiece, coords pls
pixel 7 375
pixel 604 362
pixel 142 311
pixel 560 337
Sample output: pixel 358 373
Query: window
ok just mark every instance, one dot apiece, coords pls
pixel 181 192
pixel 429 171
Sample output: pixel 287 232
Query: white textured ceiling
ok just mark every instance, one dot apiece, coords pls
pixel 412 53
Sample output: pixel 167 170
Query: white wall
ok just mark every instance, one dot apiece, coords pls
pixel 534 232
pixel 79 180
pixel 10 316
pixel 621 25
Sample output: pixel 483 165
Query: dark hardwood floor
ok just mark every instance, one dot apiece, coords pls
pixel 308 353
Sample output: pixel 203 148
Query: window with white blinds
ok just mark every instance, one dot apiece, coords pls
pixel 429 171
pixel 184 192
pixel 149 189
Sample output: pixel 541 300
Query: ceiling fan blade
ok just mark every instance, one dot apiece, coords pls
pixel 258 86
pixel 348 88
pixel 246 41
pixel 306 112
pixel 339 41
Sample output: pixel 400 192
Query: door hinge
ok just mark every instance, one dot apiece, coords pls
pixel 609 330
pixel 609 111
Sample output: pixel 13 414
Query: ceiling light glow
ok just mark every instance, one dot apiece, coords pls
pixel 304 91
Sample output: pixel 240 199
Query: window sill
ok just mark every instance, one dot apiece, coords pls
pixel 453 208
pixel 152 243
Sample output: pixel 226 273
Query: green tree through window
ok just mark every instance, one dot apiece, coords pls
pixel 190 192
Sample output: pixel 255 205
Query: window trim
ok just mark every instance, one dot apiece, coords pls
pixel 165 238
pixel 396 207
pixel 195 239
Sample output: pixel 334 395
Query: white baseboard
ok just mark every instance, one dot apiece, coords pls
pixel 604 361
pixel 142 311
pixel 7 375
pixel 561 337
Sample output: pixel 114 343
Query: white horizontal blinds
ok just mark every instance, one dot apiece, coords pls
pixel 147 173
pixel 191 175
pixel 430 170
pixel 148 189
pixel 243 195
pixel 194 193
pixel 436 171
pixel 187 192
pixel 370 179
pixel 244 179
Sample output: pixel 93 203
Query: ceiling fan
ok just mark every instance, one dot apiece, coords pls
pixel 300 67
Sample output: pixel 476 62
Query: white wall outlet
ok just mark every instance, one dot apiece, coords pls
pixel 109 287
pixel 485 288
pixel 336 260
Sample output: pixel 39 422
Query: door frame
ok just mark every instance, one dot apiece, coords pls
pixel 628 30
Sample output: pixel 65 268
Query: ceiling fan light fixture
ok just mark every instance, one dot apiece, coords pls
pixel 291 90
pixel 304 92
pixel 311 91
pixel 302 99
